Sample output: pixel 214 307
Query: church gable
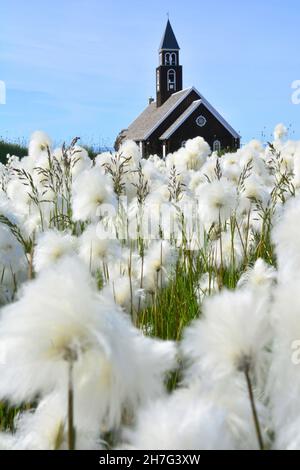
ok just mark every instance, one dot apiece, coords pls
pixel 198 120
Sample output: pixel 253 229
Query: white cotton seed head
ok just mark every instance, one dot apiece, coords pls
pixel 125 292
pixel 38 144
pixel 12 256
pixel 80 160
pixel 180 422
pixel 284 383
pixel 115 366
pixel 159 264
pixel 91 191
pixel 253 193
pixel 280 131
pixel 51 246
pixel 260 277
pixel 97 247
pixel 233 330
pixel 285 235
pixel 130 151
pixel 46 428
pixel 216 201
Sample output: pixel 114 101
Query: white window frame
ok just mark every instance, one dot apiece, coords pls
pixel 170 83
pixel 167 58
pixel 204 121
pixel 173 59
pixel 217 144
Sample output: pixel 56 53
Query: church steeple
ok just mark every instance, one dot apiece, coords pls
pixel 169 41
pixel 169 72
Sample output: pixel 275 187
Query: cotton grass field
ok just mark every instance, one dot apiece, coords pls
pixel 150 304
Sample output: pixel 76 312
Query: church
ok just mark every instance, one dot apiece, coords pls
pixel 177 114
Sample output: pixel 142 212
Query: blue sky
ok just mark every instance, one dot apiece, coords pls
pixel 87 67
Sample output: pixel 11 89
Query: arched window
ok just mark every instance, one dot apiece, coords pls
pixel 168 58
pixel 217 146
pixel 171 80
pixel 173 58
pixel 157 80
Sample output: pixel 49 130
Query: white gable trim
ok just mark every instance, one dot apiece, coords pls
pixel 171 50
pixel 187 91
pixel 169 132
pixel 218 116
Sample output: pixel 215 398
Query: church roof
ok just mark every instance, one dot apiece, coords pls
pixel 167 134
pixel 152 116
pixel 169 40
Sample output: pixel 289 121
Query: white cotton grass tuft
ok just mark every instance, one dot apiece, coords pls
pixel 230 343
pixel 91 190
pixel 217 201
pixel 19 196
pixel 7 441
pixel 130 151
pixel 254 194
pixel 45 428
pixel 125 292
pixel 80 161
pixel 12 256
pixel 13 264
pixel 280 131
pixel 284 383
pixel 233 397
pixel 230 165
pixel 286 238
pixel 287 437
pixel 191 418
pixel 39 144
pixel 182 421
pixel 232 333
pixel 51 246
pixel 97 246
pixel 159 263
pixel 58 314
pixel 259 278
pixel 191 156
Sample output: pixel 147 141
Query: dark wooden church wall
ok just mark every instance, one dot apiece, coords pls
pixel 154 145
pixel 213 130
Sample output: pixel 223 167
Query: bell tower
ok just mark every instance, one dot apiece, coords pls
pixel 169 72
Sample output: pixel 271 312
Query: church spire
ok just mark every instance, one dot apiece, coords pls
pixel 169 72
pixel 169 41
